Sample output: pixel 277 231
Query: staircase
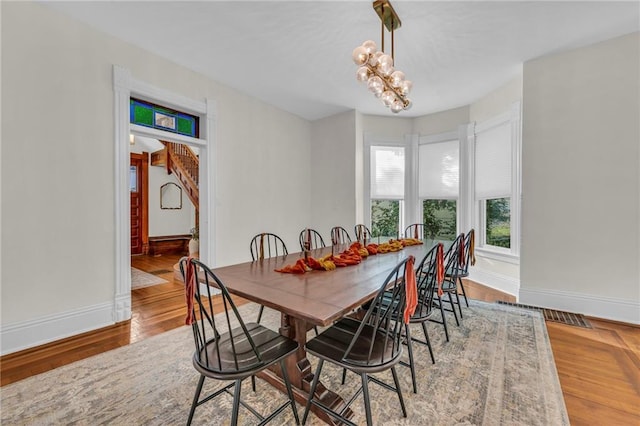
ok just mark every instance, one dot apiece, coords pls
pixel 184 164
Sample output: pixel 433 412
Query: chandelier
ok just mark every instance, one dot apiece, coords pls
pixel 376 68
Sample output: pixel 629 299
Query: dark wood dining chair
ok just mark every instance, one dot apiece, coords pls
pixel 362 232
pixel 264 246
pixel 415 230
pixel 339 235
pixel 312 238
pixel 426 276
pixel 449 286
pixel 368 346
pixel 227 348
pixel 466 259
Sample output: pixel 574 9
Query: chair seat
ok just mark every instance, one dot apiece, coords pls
pixel 333 342
pixel 448 285
pixel 458 275
pixel 421 314
pixel 220 363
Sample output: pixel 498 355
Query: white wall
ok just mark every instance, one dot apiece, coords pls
pixel 382 127
pixel 333 173
pixel 441 122
pixel 497 101
pixel 167 221
pixel 58 241
pixel 581 183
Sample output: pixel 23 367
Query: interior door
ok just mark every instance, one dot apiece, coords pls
pixel 138 167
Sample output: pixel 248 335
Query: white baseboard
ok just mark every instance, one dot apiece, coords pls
pixel 611 308
pixel 18 336
pixel 496 281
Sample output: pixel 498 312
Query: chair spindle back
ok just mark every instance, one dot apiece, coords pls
pixel 380 320
pixel 267 245
pixel 339 235
pixel 206 328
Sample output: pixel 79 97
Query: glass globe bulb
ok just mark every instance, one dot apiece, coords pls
pixel 396 106
pixel 373 59
pixel 362 74
pixel 370 46
pixel 397 77
pixel 375 85
pixel 385 64
pixel 360 55
pixel 387 97
pixel 406 86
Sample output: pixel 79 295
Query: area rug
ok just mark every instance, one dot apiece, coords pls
pixel 140 279
pixel 497 369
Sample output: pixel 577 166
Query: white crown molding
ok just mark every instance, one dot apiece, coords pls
pixel 18 336
pixel 611 308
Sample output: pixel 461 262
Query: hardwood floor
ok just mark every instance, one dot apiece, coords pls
pixel 599 371
pixel 599 368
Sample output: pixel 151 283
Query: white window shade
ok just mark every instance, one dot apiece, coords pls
pixel 439 170
pixel 387 172
pixel 493 162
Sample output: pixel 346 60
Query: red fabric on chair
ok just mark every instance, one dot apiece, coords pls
pixel 440 267
pixel 411 290
pixel 190 288
pixel 472 244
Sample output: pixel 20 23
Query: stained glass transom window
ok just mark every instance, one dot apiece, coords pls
pixel 147 114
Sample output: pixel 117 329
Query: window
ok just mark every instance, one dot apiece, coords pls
pixel 438 188
pixel 496 165
pixel 385 218
pixel 150 115
pixel 497 222
pixel 387 167
pixel 439 219
pixel 133 179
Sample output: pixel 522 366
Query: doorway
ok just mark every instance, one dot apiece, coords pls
pixel 125 86
pixel 163 209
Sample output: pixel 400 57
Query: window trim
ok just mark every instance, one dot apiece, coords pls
pixel 513 117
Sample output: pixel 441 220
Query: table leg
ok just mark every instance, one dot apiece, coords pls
pixel 300 374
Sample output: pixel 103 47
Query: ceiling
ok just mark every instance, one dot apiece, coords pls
pixel 296 55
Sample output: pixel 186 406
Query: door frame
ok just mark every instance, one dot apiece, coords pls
pixel 125 86
pixel 144 199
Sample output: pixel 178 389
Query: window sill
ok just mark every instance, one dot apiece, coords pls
pixel 502 256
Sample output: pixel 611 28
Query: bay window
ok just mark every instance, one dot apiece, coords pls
pixel 450 182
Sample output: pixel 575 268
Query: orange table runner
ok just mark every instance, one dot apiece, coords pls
pixel 352 256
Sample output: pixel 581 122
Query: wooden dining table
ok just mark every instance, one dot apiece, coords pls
pixel 316 298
